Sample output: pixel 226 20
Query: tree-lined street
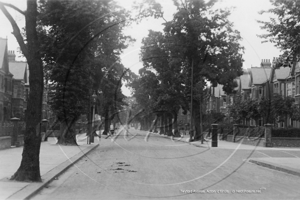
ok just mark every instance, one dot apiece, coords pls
pixel 162 168
pixel 192 86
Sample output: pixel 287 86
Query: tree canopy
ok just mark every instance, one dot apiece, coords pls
pixel 82 43
pixel 283 28
pixel 198 46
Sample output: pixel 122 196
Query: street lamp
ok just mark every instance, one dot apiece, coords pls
pixel 94 98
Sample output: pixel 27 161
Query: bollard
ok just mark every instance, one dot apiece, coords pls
pixel 15 132
pixel 214 137
pixel 268 135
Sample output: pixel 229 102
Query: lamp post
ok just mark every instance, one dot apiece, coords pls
pixel 94 98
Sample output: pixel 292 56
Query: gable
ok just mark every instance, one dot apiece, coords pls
pixel 260 75
pixel 297 67
pixel 274 77
pixel 4 56
pixel 18 69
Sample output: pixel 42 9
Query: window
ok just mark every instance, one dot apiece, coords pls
pixel 1 112
pixel 276 88
pixel 289 89
pixel 297 100
pixel 224 101
pixel 26 94
pixel 293 89
pixel 282 88
pixel 5 85
pixel 298 85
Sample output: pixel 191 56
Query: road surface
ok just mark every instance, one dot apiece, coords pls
pixel 159 168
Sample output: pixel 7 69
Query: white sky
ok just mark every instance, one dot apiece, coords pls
pixel 244 17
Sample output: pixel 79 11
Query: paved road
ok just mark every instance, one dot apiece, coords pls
pixel 160 168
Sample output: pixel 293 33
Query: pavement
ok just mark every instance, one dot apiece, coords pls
pixel 289 165
pixel 54 160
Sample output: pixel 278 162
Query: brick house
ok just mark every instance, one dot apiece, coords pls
pixel 5 83
pixel 19 70
pixel 14 86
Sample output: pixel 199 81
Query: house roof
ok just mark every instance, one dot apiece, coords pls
pixel 3 43
pixel 282 73
pixel 297 67
pixel 217 91
pixel 245 80
pixel 19 70
pixel 260 75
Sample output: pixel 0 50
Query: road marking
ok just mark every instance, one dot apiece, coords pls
pixel 264 154
pixel 290 154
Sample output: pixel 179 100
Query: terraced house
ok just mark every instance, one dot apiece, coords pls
pixel 14 86
pixel 5 83
pixel 262 82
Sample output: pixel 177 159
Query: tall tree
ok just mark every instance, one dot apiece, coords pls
pixel 209 45
pixel 199 45
pixel 283 29
pixel 88 62
pixel 29 169
pixel 156 57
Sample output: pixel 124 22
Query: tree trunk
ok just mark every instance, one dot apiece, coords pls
pixel 161 124
pixel 143 124
pixel 89 124
pixel 165 122
pixel 175 124
pixel 106 122
pixel 169 124
pixel 68 135
pixel 29 169
pixel 154 125
pixel 196 120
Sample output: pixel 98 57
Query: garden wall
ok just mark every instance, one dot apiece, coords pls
pixel 285 142
pixel 249 141
pixel 280 138
pixel 5 141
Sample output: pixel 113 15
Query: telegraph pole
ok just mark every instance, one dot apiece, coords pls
pixel 191 113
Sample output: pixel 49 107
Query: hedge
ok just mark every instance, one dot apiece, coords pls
pixel 286 132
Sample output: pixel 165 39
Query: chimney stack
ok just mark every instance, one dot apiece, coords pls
pixel 265 63
pixel 11 56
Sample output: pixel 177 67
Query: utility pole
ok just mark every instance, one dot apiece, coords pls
pixel 191 113
pixel 200 100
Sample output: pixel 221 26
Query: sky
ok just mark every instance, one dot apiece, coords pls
pixel 244 16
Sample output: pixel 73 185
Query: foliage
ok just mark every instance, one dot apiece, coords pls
pixel 286 132
pixel 264 108
pixel 82 43
pixel 198 39
pixel 296 112
pixel 246 109
pixel 204 38
pixel 281 107
pixel 255 109
pixel 29 169
pixel 283 29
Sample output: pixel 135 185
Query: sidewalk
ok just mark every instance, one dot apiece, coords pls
pixel 54 160
pixel 284 164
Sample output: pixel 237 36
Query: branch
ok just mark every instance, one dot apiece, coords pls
pixel 13 7
pixel 164 19
pixel 16 31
